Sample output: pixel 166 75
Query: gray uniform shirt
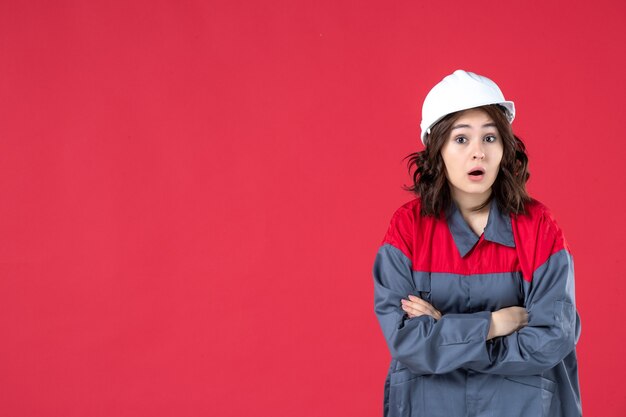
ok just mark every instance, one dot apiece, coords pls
pixel 447 367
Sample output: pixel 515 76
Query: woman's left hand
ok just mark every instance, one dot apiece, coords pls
pixel 416 307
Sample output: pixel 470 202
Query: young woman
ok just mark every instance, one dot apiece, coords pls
pixel 474 281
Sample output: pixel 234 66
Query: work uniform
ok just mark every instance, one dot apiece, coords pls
pixel 447 367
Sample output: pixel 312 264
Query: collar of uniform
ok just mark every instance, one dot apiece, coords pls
pixel 498 229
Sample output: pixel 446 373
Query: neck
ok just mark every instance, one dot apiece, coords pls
pixel 468 202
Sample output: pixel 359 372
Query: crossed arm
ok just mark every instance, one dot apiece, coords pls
pixel 503 322
pixel 428 342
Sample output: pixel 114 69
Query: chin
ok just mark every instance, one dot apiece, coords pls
pixel 477 192
pixel 476 189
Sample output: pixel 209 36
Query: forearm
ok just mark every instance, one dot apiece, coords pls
pixel 429 346
pixel 425 345
pixel 507 321
pixel 552 330
pixel 529 351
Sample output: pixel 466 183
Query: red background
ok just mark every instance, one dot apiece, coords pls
pixel 193 192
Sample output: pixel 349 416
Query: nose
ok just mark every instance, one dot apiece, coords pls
pixel 477 152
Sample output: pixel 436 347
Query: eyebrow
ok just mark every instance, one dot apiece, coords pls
pixel 462 126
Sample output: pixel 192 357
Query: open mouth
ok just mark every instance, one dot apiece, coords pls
pixel 477 172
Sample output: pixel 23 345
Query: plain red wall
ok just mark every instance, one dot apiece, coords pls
pixel 193 193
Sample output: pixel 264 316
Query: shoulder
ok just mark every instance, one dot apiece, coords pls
pixel 403 225
pixel 540 218
pixel 538 233
pixel 535 210
pixel 408 211
pixel 408 216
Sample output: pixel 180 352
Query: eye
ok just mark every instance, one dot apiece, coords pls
pixel 490 138
pixel 460 139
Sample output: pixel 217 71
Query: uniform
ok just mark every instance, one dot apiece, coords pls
pixel 447 367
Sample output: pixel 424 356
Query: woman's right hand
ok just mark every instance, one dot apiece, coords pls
pixel 506 321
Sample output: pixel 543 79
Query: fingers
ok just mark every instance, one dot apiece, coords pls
pixel 432 311
pixel 416 310
pixel 416 307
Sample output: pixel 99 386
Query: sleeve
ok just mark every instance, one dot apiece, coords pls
pixel 424 345
pixel 553 323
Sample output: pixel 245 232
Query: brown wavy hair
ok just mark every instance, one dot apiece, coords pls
pixel 429 178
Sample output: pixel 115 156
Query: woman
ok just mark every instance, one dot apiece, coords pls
pixel 474 281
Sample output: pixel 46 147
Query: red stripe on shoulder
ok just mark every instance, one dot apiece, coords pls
pixel 537 237
pixel 401 231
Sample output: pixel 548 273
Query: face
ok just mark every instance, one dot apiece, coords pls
pixel 473 144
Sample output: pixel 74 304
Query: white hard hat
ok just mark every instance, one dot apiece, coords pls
pixel 461 90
